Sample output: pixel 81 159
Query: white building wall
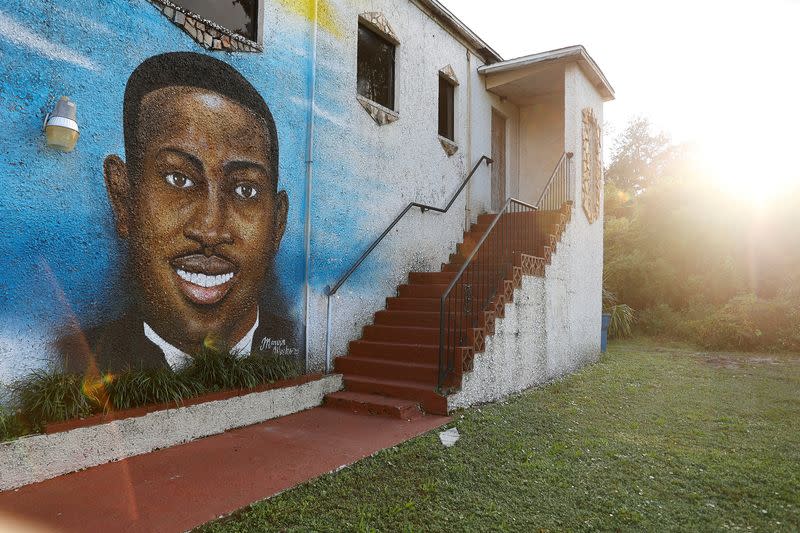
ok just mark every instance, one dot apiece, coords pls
pixel 411 166
pixel 583 271
pixel 542 143
pixel 552 327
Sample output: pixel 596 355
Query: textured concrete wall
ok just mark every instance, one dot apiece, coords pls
pixel 65 265
pixel 515 358
pixel 553 326
pixel 397 163
pixel 33 459
pixel 584 275
pixel 543 335
pixel 542 144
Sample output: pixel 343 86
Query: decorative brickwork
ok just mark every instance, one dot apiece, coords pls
pixel 592 165
pixel 449 74
pixel 207 33
pixel 450 148
pixel 381 115
pixel 377 21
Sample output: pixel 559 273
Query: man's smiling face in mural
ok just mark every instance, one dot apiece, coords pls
pixel 198 203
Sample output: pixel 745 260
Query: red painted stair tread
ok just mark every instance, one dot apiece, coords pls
pixel 374 404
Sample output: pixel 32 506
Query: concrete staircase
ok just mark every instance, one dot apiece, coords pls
pixel 393 369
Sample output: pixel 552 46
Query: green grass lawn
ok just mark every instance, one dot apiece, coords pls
pixel 651 437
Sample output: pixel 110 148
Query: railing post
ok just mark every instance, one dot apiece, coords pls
pixel 328 332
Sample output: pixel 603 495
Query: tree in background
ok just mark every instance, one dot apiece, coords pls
pixel 698 262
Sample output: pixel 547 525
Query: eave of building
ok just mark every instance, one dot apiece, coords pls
pixel 459 30
pixel 504 76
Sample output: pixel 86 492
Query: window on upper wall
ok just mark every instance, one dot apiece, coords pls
pixel 376 62
pixel 447 106
pixel 237 16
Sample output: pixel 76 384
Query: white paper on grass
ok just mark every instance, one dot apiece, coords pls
pixel 449 437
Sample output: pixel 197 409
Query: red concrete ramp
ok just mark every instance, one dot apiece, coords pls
pixel 179 488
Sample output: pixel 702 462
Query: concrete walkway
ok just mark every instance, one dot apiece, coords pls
pixel 179 488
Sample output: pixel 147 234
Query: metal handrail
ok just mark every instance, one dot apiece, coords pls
pixel 566 158
pixel 332 290
pixel 468 263
pixel 560 186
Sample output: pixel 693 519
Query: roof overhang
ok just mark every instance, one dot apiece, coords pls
pixel 512 73
pixel 452 24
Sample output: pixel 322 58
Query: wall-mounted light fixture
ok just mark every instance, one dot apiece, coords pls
pixel 61 126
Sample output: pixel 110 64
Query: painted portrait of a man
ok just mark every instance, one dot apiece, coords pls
pixel 197 203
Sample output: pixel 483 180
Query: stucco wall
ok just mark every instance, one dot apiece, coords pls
pixel 65 265
pixel 64 262
pixel 553 326
pixel 541 144
pixel 543 335
pixel 398 163
pixel 583 263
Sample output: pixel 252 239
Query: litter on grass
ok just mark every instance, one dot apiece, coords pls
pixel 449 437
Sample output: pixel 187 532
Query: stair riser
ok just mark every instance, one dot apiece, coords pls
pixel 421 291
pixel 430 278
pixel 430 401
pixel 375 368
pixel 404 335
pixel 416 319
pixel 396 352
pixel 374 405
pixel 413 304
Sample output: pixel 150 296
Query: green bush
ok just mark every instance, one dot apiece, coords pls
pixel 661 320
pixel 216 370
pixel 743 323
pixel 10 427
pixel 48 396
pixel 622 319
pixel 270 368
pixel 150 387
pixel 622 315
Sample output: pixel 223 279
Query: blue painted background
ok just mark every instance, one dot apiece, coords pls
pixel 60 259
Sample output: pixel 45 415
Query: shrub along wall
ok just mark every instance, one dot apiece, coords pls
pixel 46 397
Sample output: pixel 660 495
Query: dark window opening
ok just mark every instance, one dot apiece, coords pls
pixel 237 16
pixel 375 67
pixel 447 99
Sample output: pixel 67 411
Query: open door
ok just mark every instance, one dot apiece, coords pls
pixel 499 156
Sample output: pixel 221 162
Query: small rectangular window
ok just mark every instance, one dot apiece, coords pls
pixel 447 97
pixel 375 67
pixel 236 16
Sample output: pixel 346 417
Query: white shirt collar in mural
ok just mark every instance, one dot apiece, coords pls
pixel 176 358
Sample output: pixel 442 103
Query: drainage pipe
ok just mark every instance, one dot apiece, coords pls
pixel 312 104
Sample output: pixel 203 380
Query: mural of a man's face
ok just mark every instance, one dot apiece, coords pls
pixel 199 206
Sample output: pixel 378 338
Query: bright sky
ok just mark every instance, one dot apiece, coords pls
pixel 721 73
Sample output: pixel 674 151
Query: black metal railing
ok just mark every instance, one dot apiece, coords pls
pixel 559 188
pixel 480 282
pixel 333 289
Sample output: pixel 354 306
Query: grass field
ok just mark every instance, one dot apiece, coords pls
pixel 652 437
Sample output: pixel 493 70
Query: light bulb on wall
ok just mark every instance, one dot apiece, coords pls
pixel 61 126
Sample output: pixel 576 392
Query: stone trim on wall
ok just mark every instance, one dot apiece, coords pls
pixel 208 34
pixel 449 146
pixel 378 22
pixel 592 182
pixel 449 74
pixel 381 115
